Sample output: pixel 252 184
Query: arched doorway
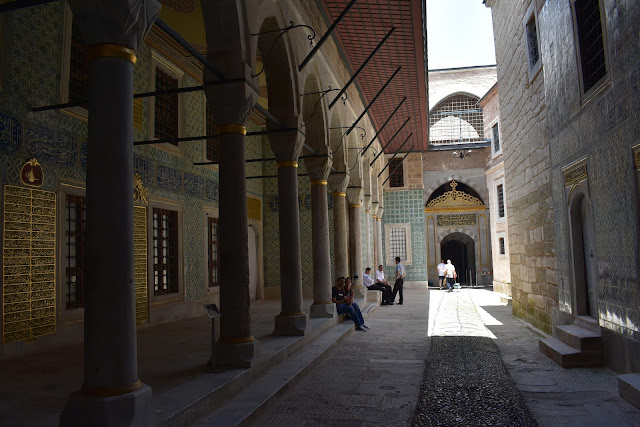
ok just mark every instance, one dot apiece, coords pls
pixel 460 249
pixel 583 261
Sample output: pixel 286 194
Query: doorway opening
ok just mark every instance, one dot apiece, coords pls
pixel 460 249
pixel 583 261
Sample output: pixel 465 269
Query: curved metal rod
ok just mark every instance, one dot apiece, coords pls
pixel 315 107
pixel 349 127
pixel 282 32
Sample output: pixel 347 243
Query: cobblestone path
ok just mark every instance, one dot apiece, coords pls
pixel 466 382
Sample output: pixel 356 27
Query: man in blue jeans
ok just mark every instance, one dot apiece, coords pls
pixel 345 304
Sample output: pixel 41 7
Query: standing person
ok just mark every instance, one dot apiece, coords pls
pixel 450 272
pixel 385 288
pixel 397 287
pixel 441 271
pixel 343 298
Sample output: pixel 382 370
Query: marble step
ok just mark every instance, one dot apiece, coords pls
pixel 580 338
pixel 629 388
pixel 567 356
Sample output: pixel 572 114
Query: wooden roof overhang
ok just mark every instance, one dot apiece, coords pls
pixel 358 34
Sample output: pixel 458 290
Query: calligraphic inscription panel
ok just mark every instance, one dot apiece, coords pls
pixel 29 264
pixel 452 220
pixel 140 263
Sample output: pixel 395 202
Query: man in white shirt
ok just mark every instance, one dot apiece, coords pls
pixel 397 287
pixel 450 272
pixel 379 285
pixel 441 271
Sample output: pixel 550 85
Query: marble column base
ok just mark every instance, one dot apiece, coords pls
pixel 359 291
pixel 323 310
pixel 290 325
pixel 129 409
pixel 230 355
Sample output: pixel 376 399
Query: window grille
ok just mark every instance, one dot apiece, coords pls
pixel 166 123
pixel 496 138
pixel 78 67
pixel 500 201
pixel 398 243
pixel 590 39
pixel 456 119
pixel 397 175
pixel 502 249
pixel 214 266
pixel 532 42
pixel 213 146
pixel 75 249
pixel 165 252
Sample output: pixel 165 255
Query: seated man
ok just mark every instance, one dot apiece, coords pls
pixel 380 285
pixel 343 298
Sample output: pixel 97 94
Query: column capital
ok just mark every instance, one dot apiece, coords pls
pixel 339 182
pixel 318 168
pixel 355 195
pixel 286 146
pixel 380 211
pixel 367 202
pixel 374 208
pixel 117 22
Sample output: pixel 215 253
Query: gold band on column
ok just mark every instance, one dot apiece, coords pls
pixel 319 182
pixel 243 340
pixel 231 128
pixel 374 216
pixel 379 219
pixel 354 206
pixel 299 313
pixel 111 51
pixel 112 391
pixel 338 194
pixel 287 164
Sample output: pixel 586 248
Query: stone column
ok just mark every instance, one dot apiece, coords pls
pixel 231 105
pixel 380 237
pixel 112 393
pixel 376 236
pixel 339 184
pixel 354 196
pixel 286 146
pixel 322 306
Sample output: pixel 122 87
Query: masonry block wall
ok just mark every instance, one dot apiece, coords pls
pixel 603 129
pixel 527 166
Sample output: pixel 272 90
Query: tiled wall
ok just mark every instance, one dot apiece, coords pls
pixel 32 68
pixel 272 226
pixel 407 207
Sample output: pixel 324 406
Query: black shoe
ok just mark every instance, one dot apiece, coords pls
pixel 390 303
pixel 400 303
pixel 383 303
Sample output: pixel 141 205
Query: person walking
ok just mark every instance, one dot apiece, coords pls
pixel 397 287
pixel 450 272
pixel 441 271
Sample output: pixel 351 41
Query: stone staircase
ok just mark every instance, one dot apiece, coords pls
pixel 578 345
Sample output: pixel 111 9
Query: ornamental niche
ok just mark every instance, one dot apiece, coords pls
pixel 454 201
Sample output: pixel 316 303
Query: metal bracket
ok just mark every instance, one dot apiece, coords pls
pixel 282 32
pixel 324 93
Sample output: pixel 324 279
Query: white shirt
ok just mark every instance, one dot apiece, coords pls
pixel 450 270
pixel 379 276
pixel 367 280
pixel 441 268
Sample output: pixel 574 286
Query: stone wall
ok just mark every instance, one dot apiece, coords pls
pixel 473 80
pixel 527 167
pixel 604 129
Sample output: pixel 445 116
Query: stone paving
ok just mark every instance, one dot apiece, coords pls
pixel 374 378
pixel 369 378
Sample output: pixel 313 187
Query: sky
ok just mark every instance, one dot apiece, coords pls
pixel 459 34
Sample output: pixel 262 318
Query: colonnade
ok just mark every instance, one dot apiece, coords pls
pixel 112 392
